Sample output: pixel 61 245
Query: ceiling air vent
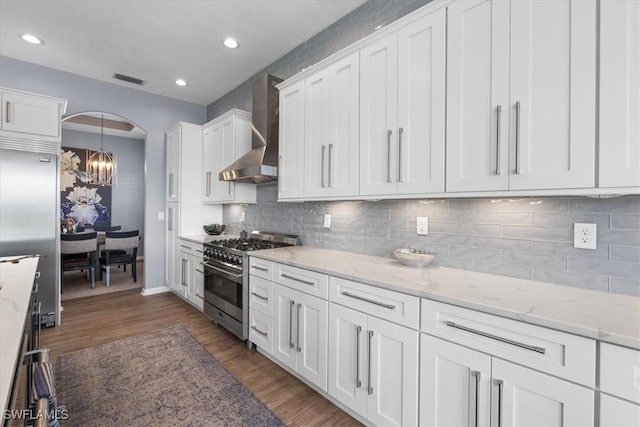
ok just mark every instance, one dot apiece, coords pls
pixel 128 79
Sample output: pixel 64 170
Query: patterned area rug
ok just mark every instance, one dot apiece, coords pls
pixel 164 378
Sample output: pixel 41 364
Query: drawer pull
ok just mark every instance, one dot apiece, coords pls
pixel 369 385
pixel 186 247
pixel 257 295
pixel 358 382
pixel 264 334
pixel 259 268
pixel 199 271
pixel 541 350
pixel 381 304
pixel 500 385
pixel 476 375
pixel 306 282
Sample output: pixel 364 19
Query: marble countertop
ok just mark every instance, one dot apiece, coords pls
pixel 598 315
pixel 17 282
pixel 202 238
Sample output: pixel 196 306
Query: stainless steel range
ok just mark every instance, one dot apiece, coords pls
pixel 226 277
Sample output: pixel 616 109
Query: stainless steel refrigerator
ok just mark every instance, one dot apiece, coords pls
pixel 29 217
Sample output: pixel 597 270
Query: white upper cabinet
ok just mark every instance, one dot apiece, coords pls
pixel 225 139
pixel 27 115
pixel 478 96
pixel 331 130
pixel 291 142
pixel 521 102
pixel 553 80
pixel 619 148
pixel 402 110
pixel 174 137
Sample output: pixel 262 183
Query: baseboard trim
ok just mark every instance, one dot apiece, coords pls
pixel 152 291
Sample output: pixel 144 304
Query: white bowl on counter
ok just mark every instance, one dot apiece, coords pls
pixel 414 257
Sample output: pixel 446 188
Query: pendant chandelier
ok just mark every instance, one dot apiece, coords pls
pixel 101 165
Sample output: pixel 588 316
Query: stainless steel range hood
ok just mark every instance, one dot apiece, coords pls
pixel 260 165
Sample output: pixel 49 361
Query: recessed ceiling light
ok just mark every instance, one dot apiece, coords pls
pixel 181 82
pixel 230 42
pixel 30 38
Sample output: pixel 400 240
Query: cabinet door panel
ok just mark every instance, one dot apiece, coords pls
pixel 227 139
pixel 291 142
pixel 455 384
pixel 343 136
pixel 393 364
pixel 616 412
pixel 208 164
pixel 477 85
pixel 532 397
pixel 311 339
pixel 31 114
pixel 316 136
pixel 378 116
pixel 553 80
pixel 421 105
pixel 619 94
pixel 284 326
pixel 173 165
pixel 347 357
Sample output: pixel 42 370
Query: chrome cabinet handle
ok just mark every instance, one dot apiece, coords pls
pixel 537 349
pixel 500 385
pixel 324 148
pixel 298 327
pixel 306 282
pixel 259 268
pixel 6 112
pixel 257 295
pixel 389 156
pixel 291 304
pixel 170 220
pixel 264 334
pixel 358 382
pixel 476 374
pixel 229 190
pixel 184 281
pixel 381 304
pixel 184 246
pixel 400 132
pixel 208 184
pixel 518 137
pixel 329 170
pixel 199 271
pixel 498 125
pixel 369 386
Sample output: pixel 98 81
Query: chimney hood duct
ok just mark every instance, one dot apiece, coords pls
pixel 260 165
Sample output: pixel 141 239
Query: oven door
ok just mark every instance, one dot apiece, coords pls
pixel 223 290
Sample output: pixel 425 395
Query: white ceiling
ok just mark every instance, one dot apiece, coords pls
pixel 160 41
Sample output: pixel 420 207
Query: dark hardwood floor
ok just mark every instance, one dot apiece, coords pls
pixel 87 322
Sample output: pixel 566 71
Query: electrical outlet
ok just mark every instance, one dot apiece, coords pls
pixel 422 227
pixel 242 217
pixel 327 220
pixel 584 235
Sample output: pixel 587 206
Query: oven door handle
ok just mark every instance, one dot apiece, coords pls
pixel 235 276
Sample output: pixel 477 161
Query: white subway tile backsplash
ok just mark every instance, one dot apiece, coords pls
pixel 548 262
pixel 625 221
pixel 620 270
pixel 559 219
pixel 625 254
pixel 558 234
pixel 513 218
pixel 625 287
pixel 567 249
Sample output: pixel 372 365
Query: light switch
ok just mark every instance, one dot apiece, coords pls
pixel 327 220
pixel 422 227
pixel 161 216
pixel 242 217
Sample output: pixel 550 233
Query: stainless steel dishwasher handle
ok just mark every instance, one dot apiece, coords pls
pixel 381 304
pixel 537 349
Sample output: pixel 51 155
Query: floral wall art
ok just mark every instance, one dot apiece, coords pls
pixel 82 203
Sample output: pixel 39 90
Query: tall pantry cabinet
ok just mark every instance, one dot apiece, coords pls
pixel 185 214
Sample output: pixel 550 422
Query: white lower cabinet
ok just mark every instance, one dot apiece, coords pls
pixel 460 386
pixel 300 333
pixel 616 412
pixel 373 367
pixel 190 276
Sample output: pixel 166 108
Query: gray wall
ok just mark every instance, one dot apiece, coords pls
pixel 152 113
pixel 127 196
pixel 529 238
pixel 525 237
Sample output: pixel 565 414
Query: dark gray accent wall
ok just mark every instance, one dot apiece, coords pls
pixel 528 238
pixel 127 195
pixel 152 113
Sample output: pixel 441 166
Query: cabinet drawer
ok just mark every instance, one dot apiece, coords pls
pixel 261 295
pixel 188 247
pixel 303 280
pixel 261 268
pixel 557 353
pixel 389 305
pixel 620 371
pixel 260 330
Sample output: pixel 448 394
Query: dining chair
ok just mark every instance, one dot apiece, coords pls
pixel 72 248
pixel 107 228
pixel 120 248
